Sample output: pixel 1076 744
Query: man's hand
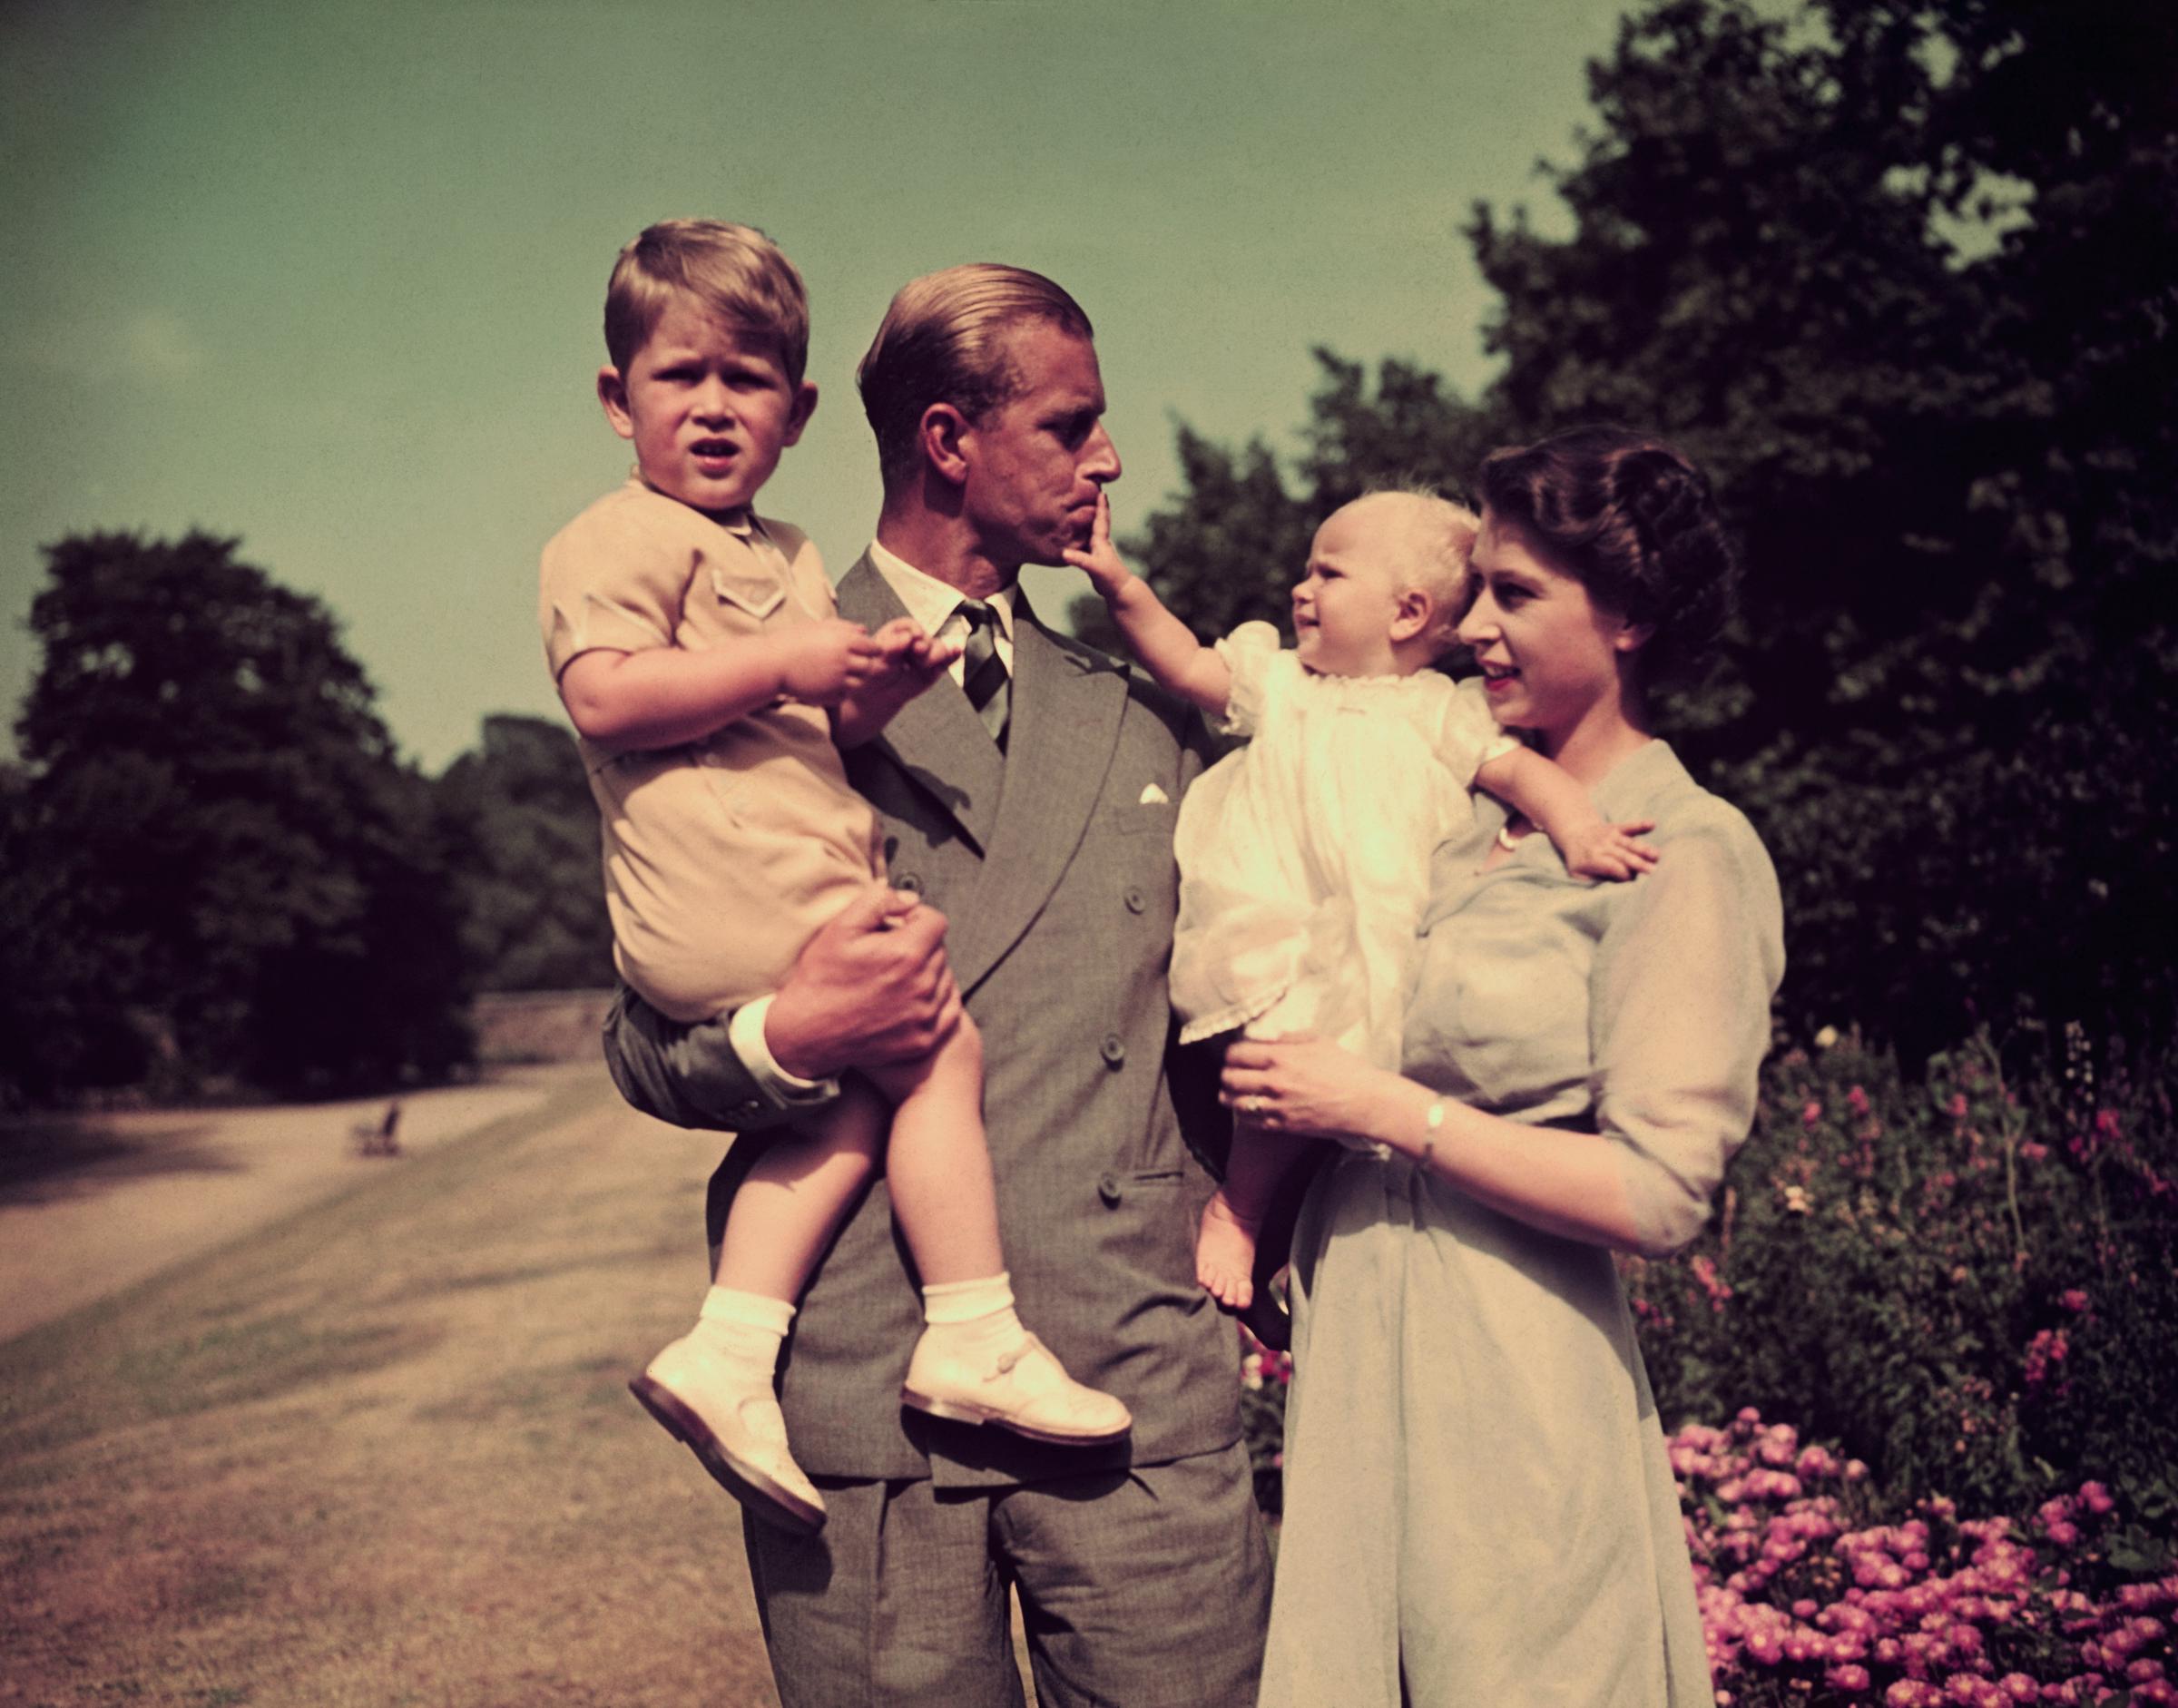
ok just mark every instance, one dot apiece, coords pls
pixel 821 663
pixel 909 661
pixel 872 988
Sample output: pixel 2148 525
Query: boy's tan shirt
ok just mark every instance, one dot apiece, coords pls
pixel 722 857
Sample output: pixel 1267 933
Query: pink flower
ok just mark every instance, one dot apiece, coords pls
pixel 2047 1347
pixel 2072 1299
pixel 1812 1113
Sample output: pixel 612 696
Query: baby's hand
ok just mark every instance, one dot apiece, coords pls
pixel 1609 850
pixel 823 662
pixel 1106 570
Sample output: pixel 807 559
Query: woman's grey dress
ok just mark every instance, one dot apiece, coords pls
pixel 1478 1506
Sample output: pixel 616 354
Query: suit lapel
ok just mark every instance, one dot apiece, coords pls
pixel 937 738
pixel 1066 711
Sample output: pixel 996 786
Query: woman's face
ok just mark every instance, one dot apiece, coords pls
pixel 1551 657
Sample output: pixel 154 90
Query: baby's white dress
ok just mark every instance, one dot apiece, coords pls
pixel 1304 857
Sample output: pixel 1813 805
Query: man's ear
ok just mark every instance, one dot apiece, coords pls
pixel 943 433
pixel 797 416
pixel 1412 614
pixel 612 392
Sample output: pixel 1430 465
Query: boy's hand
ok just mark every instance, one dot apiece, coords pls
pixel 1106 570
pixel 823 662
pixel 1609 850
pixel 908 662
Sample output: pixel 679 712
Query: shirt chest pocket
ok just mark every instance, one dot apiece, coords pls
pixel 755 596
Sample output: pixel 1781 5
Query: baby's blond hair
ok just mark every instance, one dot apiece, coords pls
pixel 1435 543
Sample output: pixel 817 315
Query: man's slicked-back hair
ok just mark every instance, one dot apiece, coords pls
pixel 943 340
pixel 734 272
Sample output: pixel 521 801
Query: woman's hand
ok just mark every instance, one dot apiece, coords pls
pixel 1310 1087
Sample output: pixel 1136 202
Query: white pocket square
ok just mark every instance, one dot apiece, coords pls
pixel 1153 796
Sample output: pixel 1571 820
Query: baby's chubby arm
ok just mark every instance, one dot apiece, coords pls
pixel 1546 793
pixel 1165 645
pixel 909 661
pixel 661 696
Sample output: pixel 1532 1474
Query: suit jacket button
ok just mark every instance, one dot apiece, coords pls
pixel 909 883
pixel 1112 1049
pixel 1137 901
pixel 1108 1189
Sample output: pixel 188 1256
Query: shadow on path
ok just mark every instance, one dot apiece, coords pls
pixel 46 1160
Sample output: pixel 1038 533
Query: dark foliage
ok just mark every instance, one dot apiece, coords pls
pixel 216 868
pixel 1897 276
pixel 527 863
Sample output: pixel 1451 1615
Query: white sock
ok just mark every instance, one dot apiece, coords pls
pixel 744 1330
pixel 979 1310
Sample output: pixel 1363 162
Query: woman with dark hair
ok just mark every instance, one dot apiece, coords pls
pixel 1478 1504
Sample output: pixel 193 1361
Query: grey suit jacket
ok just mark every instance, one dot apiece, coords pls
pixel 1057 879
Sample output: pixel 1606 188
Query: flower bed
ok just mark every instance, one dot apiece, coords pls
pixel 1810 1597
pixel 1805 1599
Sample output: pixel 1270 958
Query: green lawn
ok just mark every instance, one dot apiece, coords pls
pixel 381 1453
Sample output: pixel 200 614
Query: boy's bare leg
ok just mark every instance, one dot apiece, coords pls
pixel 713 1387
pixel 938 1168
pixel 797 1193
pixel 975 1360
pixel 1225 1237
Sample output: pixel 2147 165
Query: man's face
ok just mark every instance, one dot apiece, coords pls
pixel 1034 464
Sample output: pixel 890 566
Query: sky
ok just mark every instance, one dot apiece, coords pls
pixel 328 276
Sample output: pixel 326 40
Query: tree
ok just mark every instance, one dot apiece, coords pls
pixel 1895 272
pixel 229 871
pixel 527 864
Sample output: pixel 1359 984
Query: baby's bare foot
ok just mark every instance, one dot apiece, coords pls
pixel 1225 1254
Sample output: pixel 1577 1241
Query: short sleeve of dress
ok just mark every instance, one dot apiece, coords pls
pixel 1471 737
pixel 1680 1021
pixel 1250 652
pixel 608 581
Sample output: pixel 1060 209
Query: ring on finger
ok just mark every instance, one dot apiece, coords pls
pixel 1253 1104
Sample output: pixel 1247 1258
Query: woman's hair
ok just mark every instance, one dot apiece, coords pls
pixel 1634 522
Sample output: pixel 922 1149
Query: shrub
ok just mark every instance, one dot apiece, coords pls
pixel 1966 1283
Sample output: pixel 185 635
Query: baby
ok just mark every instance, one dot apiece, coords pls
pixel 1304 857
pixel 699 651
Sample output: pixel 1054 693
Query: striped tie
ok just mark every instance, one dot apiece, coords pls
pixel 983 672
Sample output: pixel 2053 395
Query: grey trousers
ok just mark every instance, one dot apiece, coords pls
pixel 1141 1588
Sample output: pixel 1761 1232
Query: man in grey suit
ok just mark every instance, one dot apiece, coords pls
pixel 1031 806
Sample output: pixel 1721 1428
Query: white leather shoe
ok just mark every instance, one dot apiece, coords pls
pixel 1023 1389
pixel 737 1432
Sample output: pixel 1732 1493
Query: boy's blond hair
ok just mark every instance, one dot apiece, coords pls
pixel 943 340
pixel 734 272
pixel 1437 541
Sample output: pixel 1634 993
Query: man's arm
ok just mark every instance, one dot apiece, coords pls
pixel 870 987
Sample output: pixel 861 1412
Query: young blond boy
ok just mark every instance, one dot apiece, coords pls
pixel 698 650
